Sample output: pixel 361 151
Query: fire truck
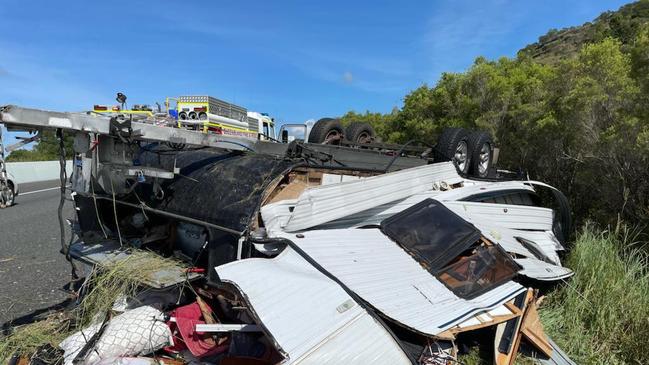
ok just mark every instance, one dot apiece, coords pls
pixel 201 113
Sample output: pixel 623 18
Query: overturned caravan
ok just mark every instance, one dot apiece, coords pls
pixel 331 264
pixel 298 254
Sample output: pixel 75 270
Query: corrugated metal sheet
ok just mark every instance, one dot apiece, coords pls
pixel 500 222
pixel 311 317
pixel 276 215
pixel 516 217
pixel 385 276
pixel 507 239
pixel 471 188
pixel 325 203
pixel 505 215
pixel 377 214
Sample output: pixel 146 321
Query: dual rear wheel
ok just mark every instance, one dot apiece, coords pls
pixel 472 152
pixel 331 131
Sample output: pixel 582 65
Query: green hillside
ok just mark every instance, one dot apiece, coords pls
pixel 623 24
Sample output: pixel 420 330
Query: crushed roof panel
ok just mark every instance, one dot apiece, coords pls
pixel 389 279
pixel 310 316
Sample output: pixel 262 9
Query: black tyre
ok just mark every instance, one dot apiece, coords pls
pixel 327 131
pixel 202 116
pixel 192 115
pixel 358 132
pixel 182 116
pixel 481 152
pixel 453 145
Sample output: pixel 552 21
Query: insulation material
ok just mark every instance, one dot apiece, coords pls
pixel 140 331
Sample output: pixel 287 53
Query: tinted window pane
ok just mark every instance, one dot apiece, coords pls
pixel 471 276
pixel 431 233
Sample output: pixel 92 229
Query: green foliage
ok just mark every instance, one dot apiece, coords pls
pixel 601 316
pixel 581 124
pixel 380 122
pixel 46 149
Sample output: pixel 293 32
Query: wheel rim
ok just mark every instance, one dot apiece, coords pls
pixel 485 156
pixel 364 138
pixel 333 137
pixel 461 155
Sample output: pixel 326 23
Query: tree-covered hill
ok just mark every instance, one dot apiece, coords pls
pixel 623 24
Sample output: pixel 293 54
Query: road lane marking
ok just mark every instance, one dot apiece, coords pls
pixel 38 191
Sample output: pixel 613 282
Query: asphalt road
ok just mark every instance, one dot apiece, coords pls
pixel 32 270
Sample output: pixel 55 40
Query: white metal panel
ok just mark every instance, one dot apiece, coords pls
pixel 482 187
pixel 541 270
pixel 505 215
pixel 388 278
pixel 323 204
pixel 507 239
pixel 276 215
pixel 311 317
pixel 351 178
pixel 328 179
pixel 377 214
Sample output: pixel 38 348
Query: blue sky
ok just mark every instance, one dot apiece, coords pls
pixel 293 59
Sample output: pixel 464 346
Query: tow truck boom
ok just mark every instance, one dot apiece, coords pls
pixel 35 119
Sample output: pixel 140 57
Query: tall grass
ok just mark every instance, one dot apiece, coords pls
pixel 601 315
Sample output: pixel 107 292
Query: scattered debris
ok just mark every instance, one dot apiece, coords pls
pixel 140 331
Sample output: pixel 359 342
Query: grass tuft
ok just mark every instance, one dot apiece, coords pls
pixel 26 339
pixel 601 315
